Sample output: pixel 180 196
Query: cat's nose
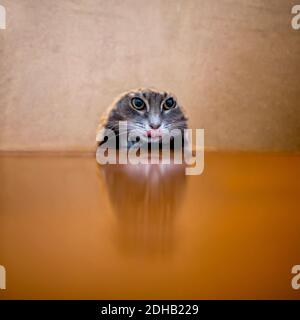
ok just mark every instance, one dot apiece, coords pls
pixel 154 125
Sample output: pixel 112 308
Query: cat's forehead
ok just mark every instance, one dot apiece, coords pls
pixel 151 96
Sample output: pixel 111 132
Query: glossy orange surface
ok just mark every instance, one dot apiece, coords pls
pixel 71 229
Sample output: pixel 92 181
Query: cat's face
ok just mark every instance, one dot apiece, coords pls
pixel 149 112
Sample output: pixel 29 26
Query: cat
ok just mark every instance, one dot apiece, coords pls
pixel 148 112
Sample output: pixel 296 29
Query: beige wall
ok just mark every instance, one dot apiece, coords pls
pixel 235 65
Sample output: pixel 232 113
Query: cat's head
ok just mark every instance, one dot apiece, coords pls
pixel 148 111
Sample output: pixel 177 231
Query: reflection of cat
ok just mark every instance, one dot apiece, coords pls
pixel 146 111
pixel 145 199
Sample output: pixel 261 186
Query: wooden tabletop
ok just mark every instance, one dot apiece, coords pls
pixel 70 228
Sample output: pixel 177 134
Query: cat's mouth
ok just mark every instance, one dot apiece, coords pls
pixel 154 133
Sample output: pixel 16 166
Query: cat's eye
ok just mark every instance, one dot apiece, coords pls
pixel 138 103
pixel 169 104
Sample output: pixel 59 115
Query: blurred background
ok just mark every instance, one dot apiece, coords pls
pixel 234 65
